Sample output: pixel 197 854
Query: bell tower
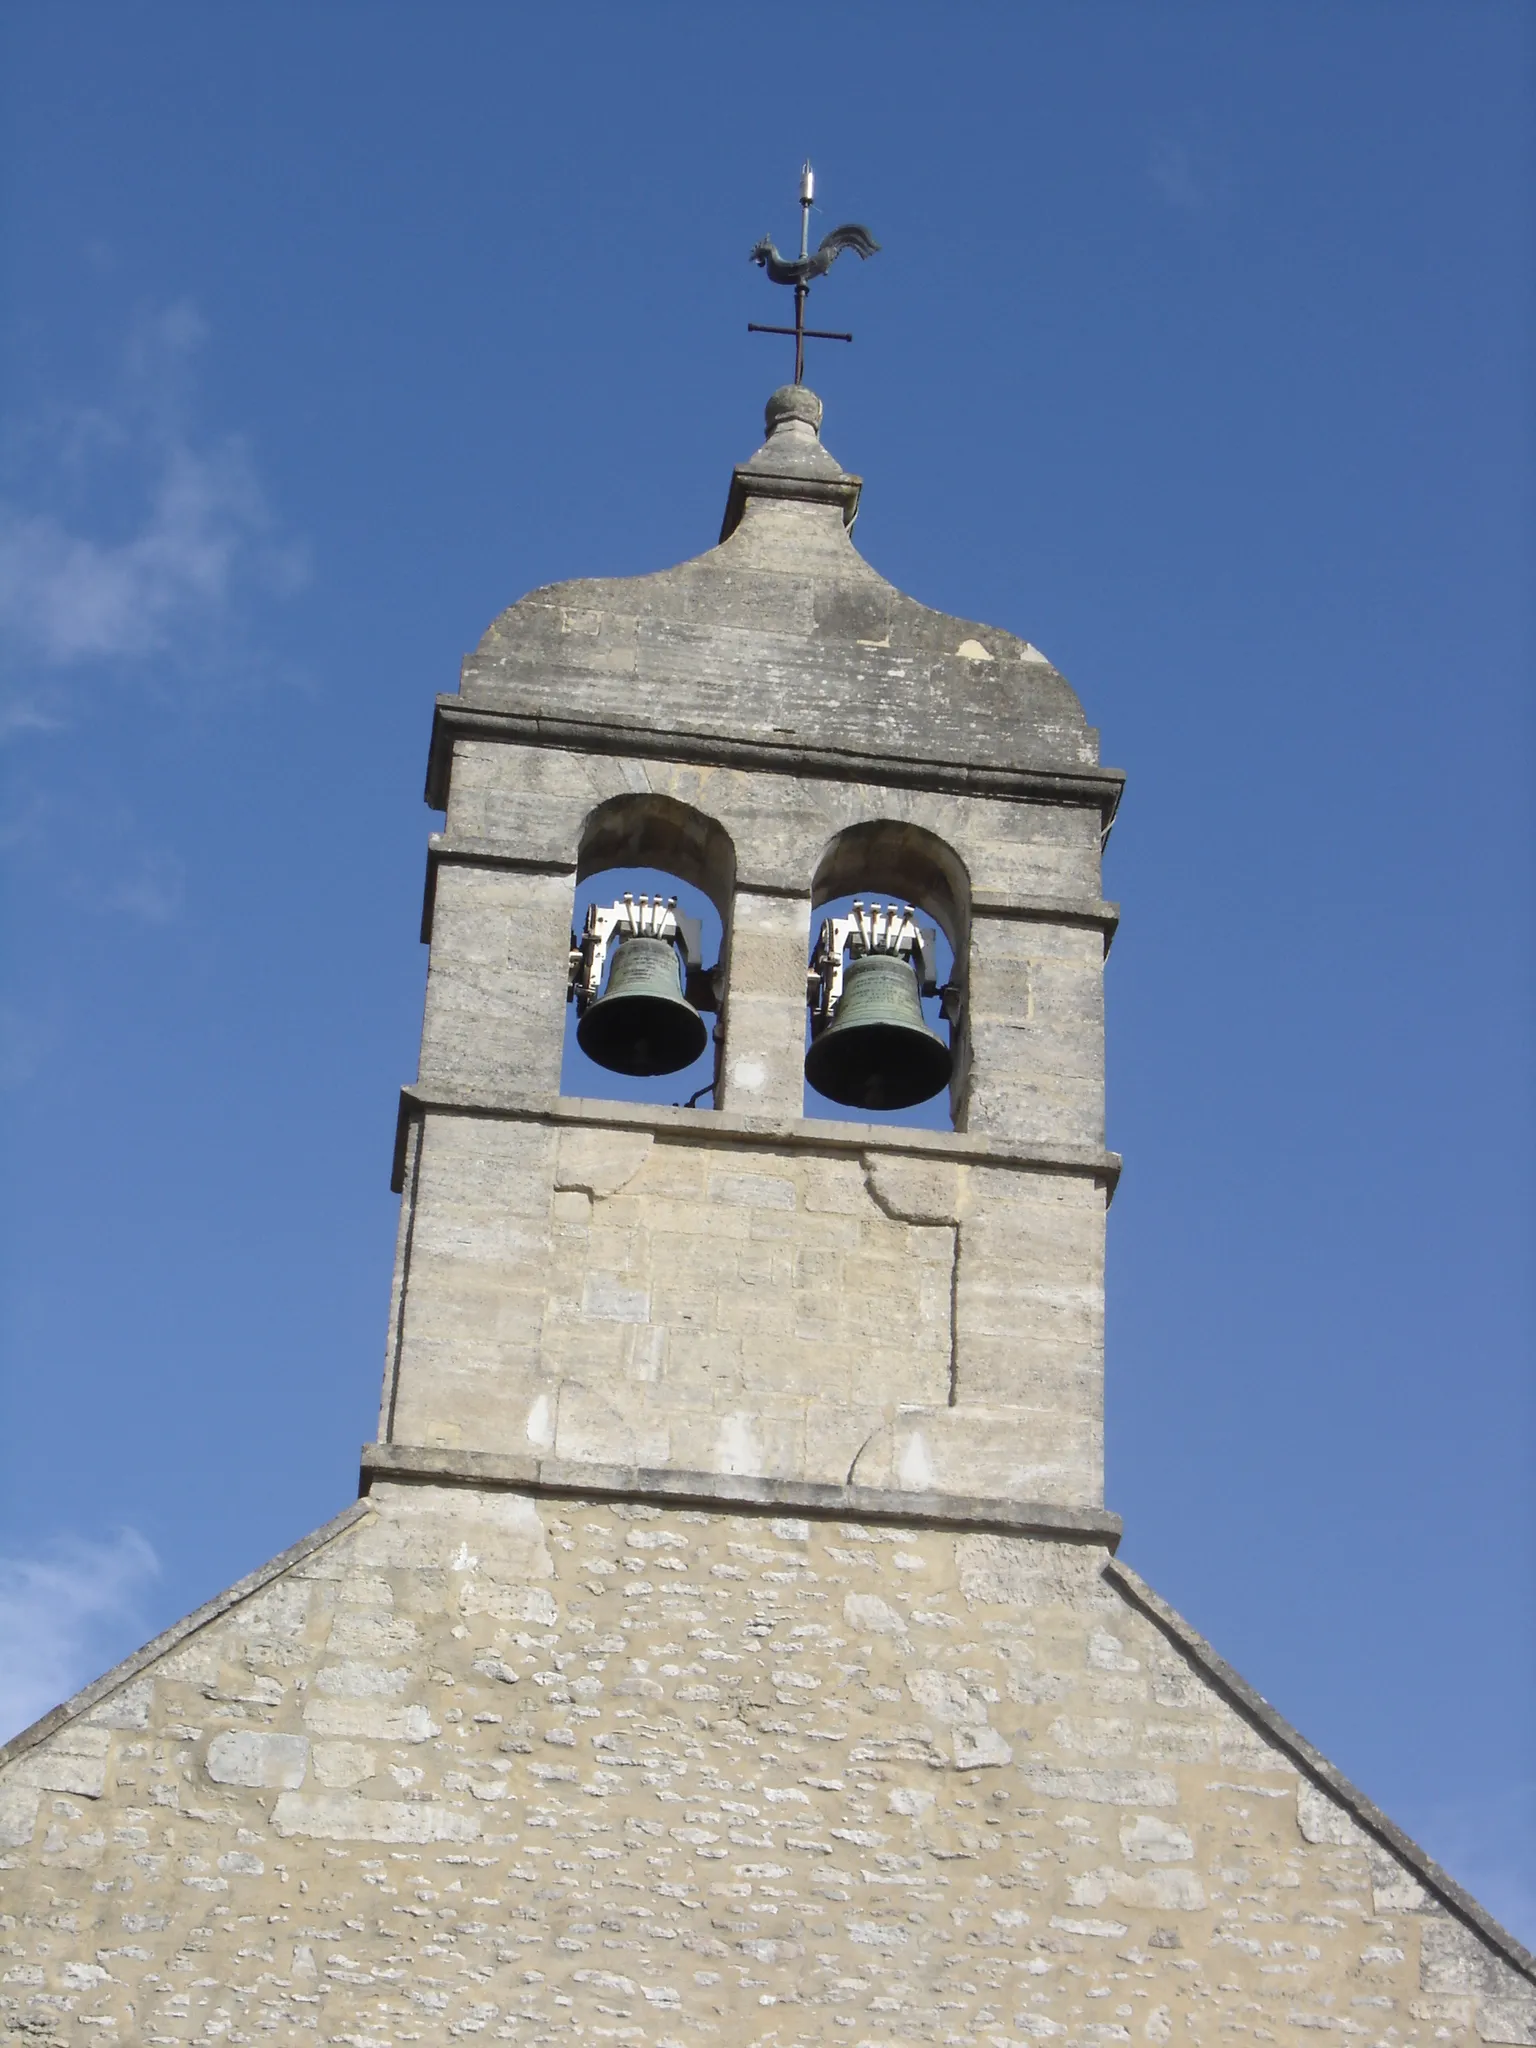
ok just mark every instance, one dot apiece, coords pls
pixel 728 1644
pixel 743 1298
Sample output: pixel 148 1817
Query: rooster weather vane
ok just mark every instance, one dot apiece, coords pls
pixel 799 270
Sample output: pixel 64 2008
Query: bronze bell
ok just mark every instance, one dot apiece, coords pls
pixel 642 1023
pixel 877 1052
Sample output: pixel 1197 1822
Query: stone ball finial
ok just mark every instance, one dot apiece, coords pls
pixel 793 405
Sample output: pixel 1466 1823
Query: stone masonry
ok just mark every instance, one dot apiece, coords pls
pixel 739 1290
pixel 729 1644
pixel 546 1769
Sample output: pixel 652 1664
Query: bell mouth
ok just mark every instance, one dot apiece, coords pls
pixel 642 1035
pixel 881 1066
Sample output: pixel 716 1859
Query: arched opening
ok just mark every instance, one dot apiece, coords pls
pixel 649 939
pixel 888 945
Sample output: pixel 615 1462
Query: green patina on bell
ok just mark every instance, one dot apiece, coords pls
pixel 878 1053
pixel 642 1023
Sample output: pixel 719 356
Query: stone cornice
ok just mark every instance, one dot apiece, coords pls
pixel 748 482
pixel 722 1127
pixel 1094 788
pixel 1315 1765
pixel 445 850
pixel 739 1492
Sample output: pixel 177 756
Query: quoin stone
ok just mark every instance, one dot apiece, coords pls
pixel 728 1643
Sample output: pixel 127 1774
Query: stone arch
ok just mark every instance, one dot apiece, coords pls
pixel 653 842
pixel 892 857
pixel 644 829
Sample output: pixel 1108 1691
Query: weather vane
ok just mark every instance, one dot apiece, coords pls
pixel 799 270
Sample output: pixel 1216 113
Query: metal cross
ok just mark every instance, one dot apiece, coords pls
pixel 798 271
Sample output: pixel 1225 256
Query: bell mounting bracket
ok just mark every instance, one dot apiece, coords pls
pixel 640 917
pixel 870 928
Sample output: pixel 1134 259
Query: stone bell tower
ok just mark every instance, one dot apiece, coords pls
pixel 728 1644
pixel 742 1294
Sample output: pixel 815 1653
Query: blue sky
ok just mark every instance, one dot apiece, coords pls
pixel 1198 351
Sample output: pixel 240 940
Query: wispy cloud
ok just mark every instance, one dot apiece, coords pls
pixel 63 1617
pixel 95 858
pixel 150 890
pixel 18 716
pixel 195 535
pixel 1174 176
pixel 1189 181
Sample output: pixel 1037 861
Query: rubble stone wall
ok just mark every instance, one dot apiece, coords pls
pixel 480 1765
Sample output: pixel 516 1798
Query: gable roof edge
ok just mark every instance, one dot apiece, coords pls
pixel 1317 1767
pixel 88 1696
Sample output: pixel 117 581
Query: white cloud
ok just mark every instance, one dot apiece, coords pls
pixel 63 1619
pixel 201 535
pixel 69 598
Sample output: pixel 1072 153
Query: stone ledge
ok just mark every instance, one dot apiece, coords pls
pixel 444 850
pixel 1085 912
pixel 1090 787
pixel 798 1134
pixel 524 1473
pixel 841 490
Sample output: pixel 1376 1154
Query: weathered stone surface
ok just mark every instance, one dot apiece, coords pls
pixel 673 1776
pixel 625 1298
pixel 1030 946
pixel 520 800
pixel 249 1756
pixel 496 993
pixel 790 1312
pixel 782 633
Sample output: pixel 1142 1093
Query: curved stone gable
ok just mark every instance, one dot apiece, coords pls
pixel 782 634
